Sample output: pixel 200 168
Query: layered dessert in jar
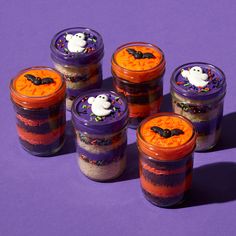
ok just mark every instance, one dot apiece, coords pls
pixel 166 143
pixel 38 97
pixel 100 119
pixel 77 54
pixel 137 70
pixel 198 91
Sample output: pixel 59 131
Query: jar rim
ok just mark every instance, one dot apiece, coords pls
pixel 83 122
pixel 97 54
pixel 139 43
pixel 153 149
pixel 191 95
pixel 37 101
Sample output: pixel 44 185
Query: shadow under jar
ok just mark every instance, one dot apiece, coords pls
pixel 166 143
pixel 198 91
pixel 77 54
pixel 38 97
pixel 100 120
pixel 137 70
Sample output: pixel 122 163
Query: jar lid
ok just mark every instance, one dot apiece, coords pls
pixel 199 81
pixel 166 136
pixel 100 112
pixel 77 46
pixel 138 62
pixel 37 87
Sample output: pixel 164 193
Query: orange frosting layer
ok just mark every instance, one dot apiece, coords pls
pixel 166 191
pixel 43 139
pixel 127 61
pixel 27 88
pixel 166 122
pixel 36 122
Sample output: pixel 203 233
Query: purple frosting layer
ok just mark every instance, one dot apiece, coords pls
pixel 216 82
pixel 85 121
pixel 93 52
pixel 114 153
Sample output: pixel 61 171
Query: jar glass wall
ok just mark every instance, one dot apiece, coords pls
pixel 100 119
pixel 77 54
pixel 38 97
pixel 137 70
pixel 166 143
pixel 199 96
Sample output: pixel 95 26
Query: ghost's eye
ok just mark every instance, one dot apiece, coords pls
pixel 194 69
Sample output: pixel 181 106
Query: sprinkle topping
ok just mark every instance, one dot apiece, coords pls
pixel 166 131
pixel 103 107
pixel 37 83
pixel 138 58
pixel 199 79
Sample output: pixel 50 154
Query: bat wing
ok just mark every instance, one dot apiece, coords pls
pixel 30 77
pixel 157 130
pixel 131 51
pixel 148 55
pixel 47 80
pixel 176 132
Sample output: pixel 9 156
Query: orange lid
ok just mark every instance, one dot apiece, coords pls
pixel 166 136
pixel 138 62
pixel 37 87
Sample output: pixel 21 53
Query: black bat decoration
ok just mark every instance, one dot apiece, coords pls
pixel 140 55
pixel 166 133
pixel 37 80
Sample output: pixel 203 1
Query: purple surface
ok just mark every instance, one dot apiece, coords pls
pixel 50 196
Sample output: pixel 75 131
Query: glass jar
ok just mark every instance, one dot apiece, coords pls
pixel 166 143
pixel 198 91
pixel 137 70
pixel 100 120
pixel 77 54
pixel 38 97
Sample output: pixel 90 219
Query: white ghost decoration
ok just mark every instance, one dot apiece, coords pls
pixel 76 42
pixel 100 105
pixel 195 76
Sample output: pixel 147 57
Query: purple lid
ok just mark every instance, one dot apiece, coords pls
pixel 100 112
pixel 199 81
pixel 77 46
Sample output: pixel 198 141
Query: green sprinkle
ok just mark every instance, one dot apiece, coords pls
pixel 91 114
pixel 114 108
pixel 99 118
pixel 186 84
pixel 96 119
pixel 84 106
pixel 117 98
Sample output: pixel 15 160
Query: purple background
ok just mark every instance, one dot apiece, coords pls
pixel 50 196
